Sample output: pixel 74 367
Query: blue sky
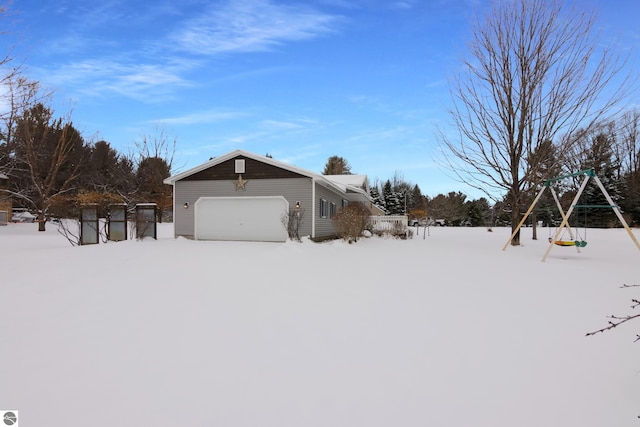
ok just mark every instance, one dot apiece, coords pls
pixel 303 80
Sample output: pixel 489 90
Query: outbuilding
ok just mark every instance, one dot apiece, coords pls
pixel 5 200
pixel 245 196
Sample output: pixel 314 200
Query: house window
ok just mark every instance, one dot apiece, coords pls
pixel 332 209
pixel 323 208
pixel 345 203
pixel 239 165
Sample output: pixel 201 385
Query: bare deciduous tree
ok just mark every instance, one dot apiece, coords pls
pixel 156 145
pixel 154 162
pixel 20 94
pixel 51 153
pixel 535 71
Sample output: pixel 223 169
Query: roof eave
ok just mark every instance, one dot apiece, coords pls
pixel 217 160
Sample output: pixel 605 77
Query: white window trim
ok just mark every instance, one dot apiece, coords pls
pixel 323 208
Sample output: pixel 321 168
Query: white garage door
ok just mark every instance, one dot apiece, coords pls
pixel 241 218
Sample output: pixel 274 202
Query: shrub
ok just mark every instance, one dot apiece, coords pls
pixel 351 220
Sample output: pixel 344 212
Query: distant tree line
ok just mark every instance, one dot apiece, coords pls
pixel 611 148
pixel 53 169
pixel 399 197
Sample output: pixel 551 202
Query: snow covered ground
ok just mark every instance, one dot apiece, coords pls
pixel 448 330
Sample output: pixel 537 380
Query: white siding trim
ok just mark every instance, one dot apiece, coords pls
pixel 173 219
pixel 313 208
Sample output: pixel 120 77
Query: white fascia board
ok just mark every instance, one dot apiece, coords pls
pixel 316 177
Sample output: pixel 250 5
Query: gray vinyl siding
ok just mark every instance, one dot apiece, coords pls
pixel 324 226
pixel 293 189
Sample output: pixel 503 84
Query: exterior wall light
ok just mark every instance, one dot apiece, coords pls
pixel 186 205
pixel 297 204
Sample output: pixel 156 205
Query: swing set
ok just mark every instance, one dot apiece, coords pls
pixel 577 241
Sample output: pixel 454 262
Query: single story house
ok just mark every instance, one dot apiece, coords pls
pixel 244 196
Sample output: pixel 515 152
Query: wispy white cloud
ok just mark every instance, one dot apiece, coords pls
pixel 376 104
pixel 406 4
pixel 202 117
pixel 302 155
pixel 278 125
pixel 249 74
pixel 251 26
pixel 345 4
pixel 371 102
pixel 99 77
pixel 260 135
pixel 159 64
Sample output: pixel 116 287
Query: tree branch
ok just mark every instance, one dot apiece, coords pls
pixel 616 320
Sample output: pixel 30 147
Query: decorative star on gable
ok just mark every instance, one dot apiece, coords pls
pixel 240 183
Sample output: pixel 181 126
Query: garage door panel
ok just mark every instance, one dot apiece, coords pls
pixel 241 218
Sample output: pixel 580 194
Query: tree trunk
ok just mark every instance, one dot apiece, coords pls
pixel 534 226
pixel 515 219
pixel 41 221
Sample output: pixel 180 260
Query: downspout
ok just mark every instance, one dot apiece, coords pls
pixel 313 208
pixel 175 212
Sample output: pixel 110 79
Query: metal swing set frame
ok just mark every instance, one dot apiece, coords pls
pixel 588 174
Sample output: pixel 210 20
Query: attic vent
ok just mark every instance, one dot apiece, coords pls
pixel 239 165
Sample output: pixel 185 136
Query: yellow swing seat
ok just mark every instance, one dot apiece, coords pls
pixel 578 243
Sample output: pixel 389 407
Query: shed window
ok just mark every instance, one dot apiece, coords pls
pixel 332 209
pixel 345 203
pixel 323 208
pixel 239 165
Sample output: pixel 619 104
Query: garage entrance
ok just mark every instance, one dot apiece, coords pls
pixel 241 218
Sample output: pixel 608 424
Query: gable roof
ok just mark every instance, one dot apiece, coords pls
pixel 326 181
pixel 358 181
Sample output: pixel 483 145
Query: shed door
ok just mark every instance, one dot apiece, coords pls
pixel 241 218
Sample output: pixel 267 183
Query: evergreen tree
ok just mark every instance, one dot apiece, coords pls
pixel 149 179
pixel 417 199
pixel 390 199
pixel 628 151
pixel 451 207
pixel 337 165
pixel 631 203
pixel 457 207
pixel 377 199
pixel 600 158
pixel 478 212
pixel 107 171
pixel 438 207
pixel 404 201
